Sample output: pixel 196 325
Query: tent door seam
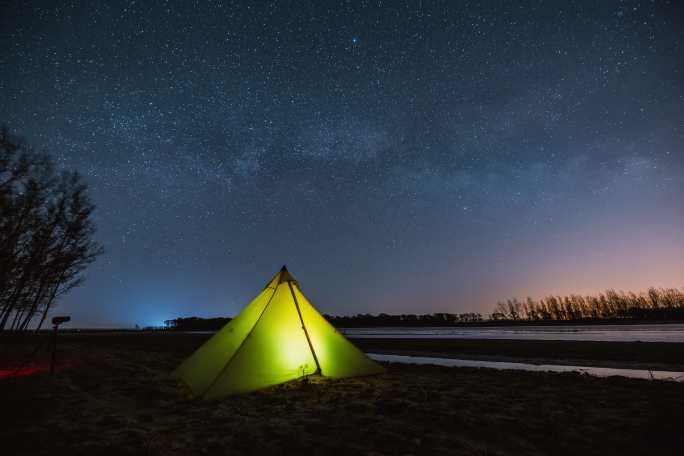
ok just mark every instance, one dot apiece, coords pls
pixel 306 333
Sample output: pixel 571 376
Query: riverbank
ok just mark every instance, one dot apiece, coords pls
pixel 624 355
pixel 114 395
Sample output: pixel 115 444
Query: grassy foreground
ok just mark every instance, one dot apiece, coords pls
pixel 115 397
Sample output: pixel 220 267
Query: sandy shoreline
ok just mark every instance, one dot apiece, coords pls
pixel 536 361
pixel 622 355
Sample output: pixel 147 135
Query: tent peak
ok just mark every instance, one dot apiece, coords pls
pixel 282 276
pixel 285 276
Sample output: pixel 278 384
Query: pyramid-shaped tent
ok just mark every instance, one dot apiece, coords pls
pixel 278 337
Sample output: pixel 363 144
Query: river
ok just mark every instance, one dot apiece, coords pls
pixel 613 333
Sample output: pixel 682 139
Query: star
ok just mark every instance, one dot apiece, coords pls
pixel 318 135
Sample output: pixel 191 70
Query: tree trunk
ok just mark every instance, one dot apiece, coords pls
pixel 34 307
pixel 17 318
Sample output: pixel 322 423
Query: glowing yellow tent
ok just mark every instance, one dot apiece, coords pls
pixel 278 337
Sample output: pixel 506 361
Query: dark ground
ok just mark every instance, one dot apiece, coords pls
pixel 114 396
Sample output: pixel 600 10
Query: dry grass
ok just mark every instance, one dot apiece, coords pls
pixel 119 399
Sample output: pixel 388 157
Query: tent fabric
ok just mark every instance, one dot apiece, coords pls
pixel 278 337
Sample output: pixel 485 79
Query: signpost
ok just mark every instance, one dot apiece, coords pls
pixel 56 321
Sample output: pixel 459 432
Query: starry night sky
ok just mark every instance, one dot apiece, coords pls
pixel 398 156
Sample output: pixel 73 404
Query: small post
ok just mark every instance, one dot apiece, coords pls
pixel 54 349
pixel 56 321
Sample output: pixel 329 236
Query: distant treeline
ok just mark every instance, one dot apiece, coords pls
pixel 665 304
pixel 408 320
pixel 358 321
pixel 656 304
pixel 196 323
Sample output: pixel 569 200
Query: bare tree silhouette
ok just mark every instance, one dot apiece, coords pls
pixel 46 233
